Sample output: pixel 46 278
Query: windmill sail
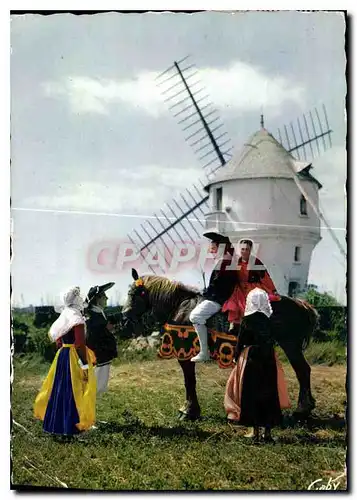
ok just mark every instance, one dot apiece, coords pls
pixel 190 105
pixel 182 219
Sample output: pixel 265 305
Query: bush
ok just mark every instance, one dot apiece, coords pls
pixel 39 342
pixel 20 332
pixel 321 353
pixel 332 324
pixel 29 339
pixel 44 316
pixel 326 353
pixel 21 326
pixel 319 299
pixel 339 325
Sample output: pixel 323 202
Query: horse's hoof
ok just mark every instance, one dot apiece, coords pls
pixel 183 409
pixel 183 416
pixel 288 421
pixel 304 409
pixel 269 440
pixel 189 411
pixel 301 414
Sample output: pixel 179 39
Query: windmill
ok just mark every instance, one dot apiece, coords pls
pixel 204 131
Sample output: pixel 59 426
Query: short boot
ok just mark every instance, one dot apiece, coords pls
pixel 204 354
pixel 201 357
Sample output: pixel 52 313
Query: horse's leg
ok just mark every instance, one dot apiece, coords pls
pixel 191 410
pixel 306 402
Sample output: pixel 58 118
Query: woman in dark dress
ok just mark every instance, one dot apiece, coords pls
pixel 256 390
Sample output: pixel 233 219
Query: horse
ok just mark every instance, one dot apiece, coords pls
pixel 294 321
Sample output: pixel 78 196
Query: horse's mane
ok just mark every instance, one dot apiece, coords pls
pixel 161 288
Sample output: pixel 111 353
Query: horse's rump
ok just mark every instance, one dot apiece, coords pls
pixel 294 320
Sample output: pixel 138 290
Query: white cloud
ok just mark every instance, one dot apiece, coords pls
pixel 239 86
pixel 89 95
pixel 247 88
pixel 142 190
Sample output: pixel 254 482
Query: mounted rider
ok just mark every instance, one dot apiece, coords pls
pixel 221 285
pixel 248 279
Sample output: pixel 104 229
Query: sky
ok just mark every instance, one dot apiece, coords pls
pixel 91 134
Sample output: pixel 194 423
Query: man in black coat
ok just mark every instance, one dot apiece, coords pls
pixel 221 285
pixel 100 338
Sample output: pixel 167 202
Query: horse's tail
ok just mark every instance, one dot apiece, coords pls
pixel 312 321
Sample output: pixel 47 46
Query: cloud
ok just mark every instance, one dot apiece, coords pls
pixel 239 86
pixel 140 191
pixel 247 88
pixel 89 95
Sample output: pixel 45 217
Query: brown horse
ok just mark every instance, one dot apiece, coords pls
pixel 293 323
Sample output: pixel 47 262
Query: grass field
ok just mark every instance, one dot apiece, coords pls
pixel 144 447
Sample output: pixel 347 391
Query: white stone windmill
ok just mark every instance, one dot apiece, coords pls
pixel 262 193
pixel 255 196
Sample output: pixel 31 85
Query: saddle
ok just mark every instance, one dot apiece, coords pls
pixel 180 340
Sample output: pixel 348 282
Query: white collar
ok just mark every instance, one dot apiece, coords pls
pixel 70 317
pixel 99 310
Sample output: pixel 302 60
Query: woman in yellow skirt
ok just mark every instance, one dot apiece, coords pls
pixel 66 401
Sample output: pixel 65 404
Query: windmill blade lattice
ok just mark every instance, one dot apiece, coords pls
pixel 313 133
pixel 191 106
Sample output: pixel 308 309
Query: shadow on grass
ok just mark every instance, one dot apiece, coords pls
pixel 133 427
pixel 311 439
pixel 335 423
pixel 142 429
pixel 143 432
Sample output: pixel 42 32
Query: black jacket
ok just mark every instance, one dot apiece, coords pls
pixel 221 283
pixel 99 338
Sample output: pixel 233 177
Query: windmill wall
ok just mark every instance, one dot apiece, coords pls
pixel 268 211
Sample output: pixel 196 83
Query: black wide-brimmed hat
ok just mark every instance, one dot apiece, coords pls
pixel 96 290
pixel 216 237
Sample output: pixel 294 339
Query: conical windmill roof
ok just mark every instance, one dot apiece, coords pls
pixel 263 156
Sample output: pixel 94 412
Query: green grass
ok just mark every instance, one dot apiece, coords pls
pixel 322 353
pixel 144 447
pixel 329 353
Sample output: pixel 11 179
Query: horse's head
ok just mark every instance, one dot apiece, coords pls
pixel 137 303
pixel 156 295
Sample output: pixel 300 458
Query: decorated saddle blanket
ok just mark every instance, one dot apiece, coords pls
pixel 181 341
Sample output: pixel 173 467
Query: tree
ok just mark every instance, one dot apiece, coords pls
pixel 319 299
pixel 332 315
